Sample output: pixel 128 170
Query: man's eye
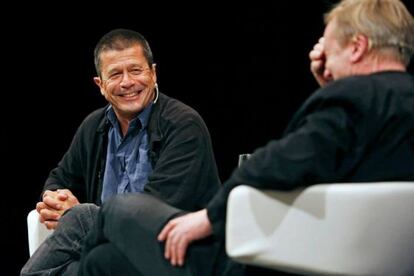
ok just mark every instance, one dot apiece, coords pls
pixel 136 71
pixel 114 76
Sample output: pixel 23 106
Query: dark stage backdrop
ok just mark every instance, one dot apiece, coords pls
pixel 243 67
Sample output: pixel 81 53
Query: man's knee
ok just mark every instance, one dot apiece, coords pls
pixel 84 209
pixel 81 216
pixel 134 215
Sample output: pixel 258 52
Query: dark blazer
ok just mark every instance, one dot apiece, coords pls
pixel 358 129
pixel 184 169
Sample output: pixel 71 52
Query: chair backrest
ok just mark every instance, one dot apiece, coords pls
pixel 335 229
pixel 37 232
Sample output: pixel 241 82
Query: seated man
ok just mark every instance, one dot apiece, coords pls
pixel 141 142
pixel 358 127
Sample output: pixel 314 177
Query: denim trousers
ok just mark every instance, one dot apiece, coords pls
pixel 60 253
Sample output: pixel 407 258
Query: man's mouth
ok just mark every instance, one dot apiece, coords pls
pixel 130 94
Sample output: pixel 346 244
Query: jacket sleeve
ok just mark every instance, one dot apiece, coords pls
pixel 68 174
pixel 185 174
pixel 309 154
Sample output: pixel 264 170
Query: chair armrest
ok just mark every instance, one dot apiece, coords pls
pixel 352 228
pixel 37 232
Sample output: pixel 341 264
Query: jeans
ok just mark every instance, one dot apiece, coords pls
pixel 60 253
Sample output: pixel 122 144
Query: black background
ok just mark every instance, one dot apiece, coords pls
pixel 243 67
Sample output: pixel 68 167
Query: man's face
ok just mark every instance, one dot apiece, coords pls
pixel 127 81
pixel 337 57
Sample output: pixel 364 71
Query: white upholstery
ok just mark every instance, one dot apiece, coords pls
pixel 37 232
pixel 333 229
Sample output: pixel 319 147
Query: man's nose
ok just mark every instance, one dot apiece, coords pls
pixel 126 80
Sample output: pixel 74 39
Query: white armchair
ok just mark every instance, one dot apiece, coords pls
pixel 37 232
pixel 332 229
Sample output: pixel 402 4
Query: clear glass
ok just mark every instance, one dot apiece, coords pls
pixel 243 157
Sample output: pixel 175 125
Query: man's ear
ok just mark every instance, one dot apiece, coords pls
pixel 154 72
pixel 360 47
pixel 98 82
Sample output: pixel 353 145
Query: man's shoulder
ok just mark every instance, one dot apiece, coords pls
pixel 169 104
pixel 175 110
pixel 364 92
pixel 363 85
pixel 95 119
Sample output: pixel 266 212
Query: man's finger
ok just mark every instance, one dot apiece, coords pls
pixel 164 232
pixel 173 243
pixel 51 224
pixel 47 214
pixel 181 251
pixel 40 206
pixel 167 247
pixel 52 202
pixel 173 248
pixel 50 193
pixel 314 54
pixel 316 65
pixel 62 196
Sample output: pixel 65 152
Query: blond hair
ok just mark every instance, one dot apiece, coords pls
pixel 387 24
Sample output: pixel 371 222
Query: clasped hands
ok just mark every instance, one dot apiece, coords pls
pixel 53 205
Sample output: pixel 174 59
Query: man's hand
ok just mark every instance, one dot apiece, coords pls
pixel 178 233
pixel 54 204
pixel 317 66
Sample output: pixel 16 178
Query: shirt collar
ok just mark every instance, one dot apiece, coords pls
pixel 140 121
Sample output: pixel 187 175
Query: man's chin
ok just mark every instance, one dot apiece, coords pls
pixel 131 111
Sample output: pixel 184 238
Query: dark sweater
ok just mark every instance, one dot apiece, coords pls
pixel 184 169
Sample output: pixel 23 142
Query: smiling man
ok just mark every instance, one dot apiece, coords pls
pixel 142 142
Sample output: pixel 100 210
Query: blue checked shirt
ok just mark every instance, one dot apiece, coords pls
pixel 127 163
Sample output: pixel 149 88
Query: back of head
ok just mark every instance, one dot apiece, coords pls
pixel 120 39
pixel 387 24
